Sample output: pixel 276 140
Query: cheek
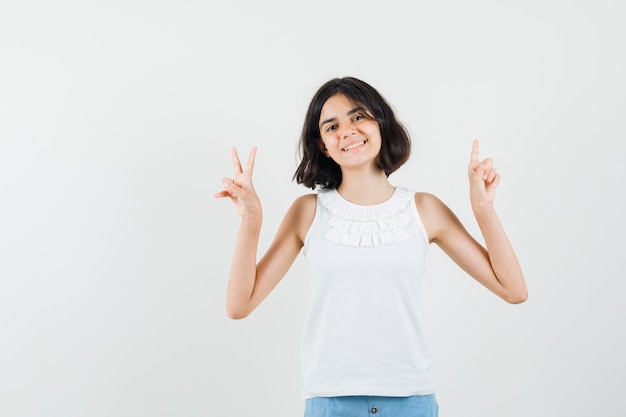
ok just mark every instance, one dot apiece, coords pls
pixel 327 141
pixel 378 143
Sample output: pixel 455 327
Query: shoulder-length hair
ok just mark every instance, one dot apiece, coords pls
pixel 316 169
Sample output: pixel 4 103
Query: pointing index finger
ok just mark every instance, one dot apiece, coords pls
pixel 474 156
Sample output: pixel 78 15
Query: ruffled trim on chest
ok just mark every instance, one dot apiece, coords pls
pixel 377 225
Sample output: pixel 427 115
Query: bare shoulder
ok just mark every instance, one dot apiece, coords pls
pixel 427 203
pixel 434 213
pixel 305 205
pixel 301 213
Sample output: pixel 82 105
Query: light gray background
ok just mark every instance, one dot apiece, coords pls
pixel 116 120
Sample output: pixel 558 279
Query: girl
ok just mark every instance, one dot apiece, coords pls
pixel 365 240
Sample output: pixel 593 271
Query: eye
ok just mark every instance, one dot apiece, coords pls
pixel 357 117
pixel 331 128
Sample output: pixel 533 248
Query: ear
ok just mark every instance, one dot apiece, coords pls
pixel 323 148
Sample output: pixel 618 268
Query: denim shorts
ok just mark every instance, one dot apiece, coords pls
pixel 371 406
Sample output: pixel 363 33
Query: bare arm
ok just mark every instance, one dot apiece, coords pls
pixel 249 283
pixel 496 266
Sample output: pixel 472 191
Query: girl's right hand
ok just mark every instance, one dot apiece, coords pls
pixel 240 189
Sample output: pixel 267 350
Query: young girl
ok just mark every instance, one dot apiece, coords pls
pixel 366 241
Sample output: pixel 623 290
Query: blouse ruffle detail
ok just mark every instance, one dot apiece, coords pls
pixel 362 226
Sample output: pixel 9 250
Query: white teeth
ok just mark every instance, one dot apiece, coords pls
pixel 354 145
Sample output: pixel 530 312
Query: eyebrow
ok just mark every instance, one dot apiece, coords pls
pixel 351 112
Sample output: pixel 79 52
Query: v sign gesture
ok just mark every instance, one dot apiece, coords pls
pixel 250 282
pixel 240 188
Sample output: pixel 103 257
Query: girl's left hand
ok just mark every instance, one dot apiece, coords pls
pixel 483 180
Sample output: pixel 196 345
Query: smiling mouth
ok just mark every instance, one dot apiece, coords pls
pixel 354 145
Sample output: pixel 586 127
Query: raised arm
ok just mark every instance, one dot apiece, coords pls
pixel 249 283
pixel 496 266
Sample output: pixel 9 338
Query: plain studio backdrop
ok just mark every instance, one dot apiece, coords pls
pixel 116 120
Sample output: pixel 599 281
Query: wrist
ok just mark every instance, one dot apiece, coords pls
pixel 252 219
pixel 483 210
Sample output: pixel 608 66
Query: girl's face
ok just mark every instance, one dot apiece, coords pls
pixel 350 135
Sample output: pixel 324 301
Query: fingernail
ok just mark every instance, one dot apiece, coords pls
pixel 226 184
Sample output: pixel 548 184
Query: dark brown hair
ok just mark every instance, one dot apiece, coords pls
pixel 316 169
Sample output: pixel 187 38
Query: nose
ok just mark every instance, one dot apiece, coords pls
pixel 347 130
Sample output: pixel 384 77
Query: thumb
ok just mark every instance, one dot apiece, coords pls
pixel 230 187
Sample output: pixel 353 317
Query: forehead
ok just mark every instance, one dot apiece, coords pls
pixel 337 105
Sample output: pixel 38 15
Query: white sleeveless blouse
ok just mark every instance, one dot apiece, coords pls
pixel 363 333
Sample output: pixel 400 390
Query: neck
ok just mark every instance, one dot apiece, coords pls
pixel 372 188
